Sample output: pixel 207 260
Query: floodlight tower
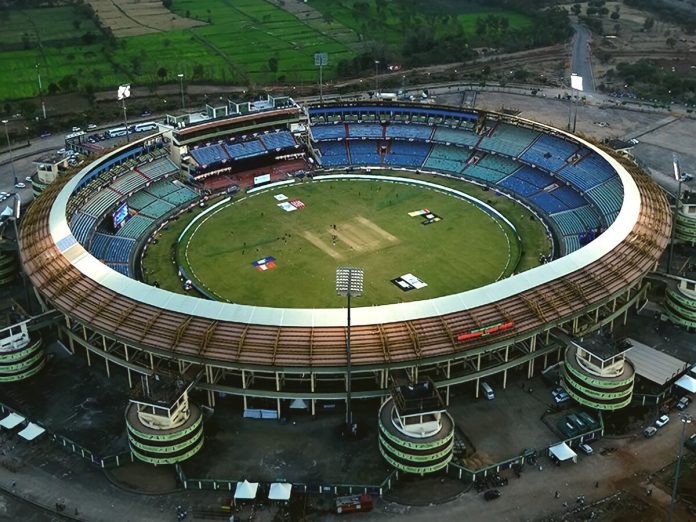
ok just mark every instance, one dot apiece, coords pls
pixel 181 82
pixel 320 60
pixel 43 103
pixel 123 94
pixel 349 283
pixel 9 148
pixel 678 176
pixel 685 418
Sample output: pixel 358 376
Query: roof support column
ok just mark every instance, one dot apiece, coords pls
pixel 130 378
pixel 106 361
pixel 532 349
pixel 507 353
pixel 447 391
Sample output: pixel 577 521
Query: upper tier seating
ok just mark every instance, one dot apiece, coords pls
pixel 245 149
pixel 209 154
pixel 413 131
pixel 456 136
pixel 158 168
pixel 609 197
pixel 365 130
pixel 278 140
pixel 499 163
pixel 101 202
pixel 331 131
pixel 129 183
pixel 508 139
pixel 549 152
pixel 81 226
pixel 588 172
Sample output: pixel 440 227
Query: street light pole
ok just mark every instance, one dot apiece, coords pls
pixel 349 283
pixel 686 419
pixel 376 77
pixel 9 148
pixel 181 82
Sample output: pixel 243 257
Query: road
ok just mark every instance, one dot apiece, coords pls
pixel 581 56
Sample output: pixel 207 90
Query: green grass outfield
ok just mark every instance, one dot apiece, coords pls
pixel 160 265
pixel 374 231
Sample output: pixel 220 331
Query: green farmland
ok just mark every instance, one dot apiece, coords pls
pixel 391 22
pixel 242 42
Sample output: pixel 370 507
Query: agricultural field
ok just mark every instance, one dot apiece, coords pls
pixel 22 28
pixel 465 250
pixel 390 23
pixel 136 17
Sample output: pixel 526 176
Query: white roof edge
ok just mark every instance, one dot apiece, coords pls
pixel 328 317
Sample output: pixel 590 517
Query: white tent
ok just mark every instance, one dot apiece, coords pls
pixel 246 490
pixel 298 404
pixel 280 491
pixel 31 431
pixel 687 382
pixel 563 452
pixel 11 421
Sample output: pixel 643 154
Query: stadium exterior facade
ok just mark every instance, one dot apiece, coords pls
pixel 277 355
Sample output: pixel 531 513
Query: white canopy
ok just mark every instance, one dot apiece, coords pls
pixel 246 490
pixel 563 452
pixel 31 431
pixel 280 491
pixel 12 421
pixel 687 382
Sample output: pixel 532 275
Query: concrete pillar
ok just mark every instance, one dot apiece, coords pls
pixel 507 353
pixel 312 387
pixel 447 393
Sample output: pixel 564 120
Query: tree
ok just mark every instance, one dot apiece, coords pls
pixel 615 15
pixel 52 88
pixel 671 42
pixel 273 64
pixel 167 4
pixel 162 73
pixel 649 23
pixel 198 71
pixel 89 38
pixel 77 24
pixel 576 9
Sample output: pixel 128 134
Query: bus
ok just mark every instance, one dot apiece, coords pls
pixel 117 132
pixel 145 126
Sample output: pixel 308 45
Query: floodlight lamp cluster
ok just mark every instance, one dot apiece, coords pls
pixel 123 91
pixel 349 281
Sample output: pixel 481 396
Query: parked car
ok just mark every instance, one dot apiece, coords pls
pixel 662 421
pixel 691 442
pixel 92 126
pixel 586 448
pixel 20 185
pixel 649 431
pixel 28 178
pixel 683 403
pixel 560 395
pixel 491 494
pixel 76 129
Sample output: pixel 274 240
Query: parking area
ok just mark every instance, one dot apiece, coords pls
pixel 505 426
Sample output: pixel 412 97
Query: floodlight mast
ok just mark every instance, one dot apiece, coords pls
pixel 123 94
pixel 349 283
pixel 678 176
pixel 685 418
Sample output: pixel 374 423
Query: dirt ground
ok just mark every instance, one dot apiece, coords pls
pixel 136 17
